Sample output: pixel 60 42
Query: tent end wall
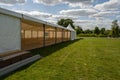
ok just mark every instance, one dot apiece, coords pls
pixel 73 35
pixel 10 39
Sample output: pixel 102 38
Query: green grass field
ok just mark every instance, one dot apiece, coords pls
pixel 82 59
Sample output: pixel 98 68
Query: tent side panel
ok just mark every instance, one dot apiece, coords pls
pixel 59 35
pixel 9 33
pixel 32 35
pixel 73 35
pixel 69 35
pixel 49 35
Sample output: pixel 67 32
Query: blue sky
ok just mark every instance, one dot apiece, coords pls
pixel 85 13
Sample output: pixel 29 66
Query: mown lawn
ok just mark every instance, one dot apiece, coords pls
pixel 83 59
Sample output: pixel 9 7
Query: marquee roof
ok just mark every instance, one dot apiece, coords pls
pixel 70 28
pixel 27 17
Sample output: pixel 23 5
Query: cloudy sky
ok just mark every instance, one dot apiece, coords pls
pixel 85 13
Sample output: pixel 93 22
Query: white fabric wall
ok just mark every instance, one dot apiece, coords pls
pixel 73 32
pixel 73 35
pixel 9 33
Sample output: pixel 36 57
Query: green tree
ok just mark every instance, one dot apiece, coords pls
pixel 66 22
pixel 115 29
pixel 88 31
pixel 61 22
pixel 96 30
pixel 119 31
pixel 102 31
pixel 79 30
pixel 107 33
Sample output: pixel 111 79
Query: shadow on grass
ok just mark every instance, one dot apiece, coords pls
pixel 45 51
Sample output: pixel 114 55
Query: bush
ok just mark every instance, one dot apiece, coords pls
pixel 102 35
pixel 87 35
pixel 92 35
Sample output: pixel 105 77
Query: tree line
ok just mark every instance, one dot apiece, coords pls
pixel 96 32
pixel 103 32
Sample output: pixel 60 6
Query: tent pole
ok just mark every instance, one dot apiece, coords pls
pixel 43 35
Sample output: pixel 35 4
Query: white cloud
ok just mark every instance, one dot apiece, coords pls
pixel 39 14
pixel 84 21
pixel 48 2
pixel 64 16
pixel 110 5
pixel 78 12
pixel 118 16
pixel 106 14
pixel 45 16
pixel 51 21
pixel 79 3
pixel 72 3
pixel 36 14
pixel 90 24
pixel 85 24
pixel 11 2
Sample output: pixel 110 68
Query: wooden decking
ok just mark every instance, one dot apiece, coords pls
pixel 8 53
pixel 7 69
pixel 13 58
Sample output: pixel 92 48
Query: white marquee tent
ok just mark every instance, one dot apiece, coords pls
pixel 11 25
pixel 73 32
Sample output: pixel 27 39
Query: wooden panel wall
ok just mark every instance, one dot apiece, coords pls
pixel 32 35
pixel 36 35
pixel 49 35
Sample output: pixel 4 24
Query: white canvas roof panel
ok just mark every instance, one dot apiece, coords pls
pixel 40 21
pixel 11 13
pixel 27 17
pixel 32 19
pixel 55 25
pixel 70 28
